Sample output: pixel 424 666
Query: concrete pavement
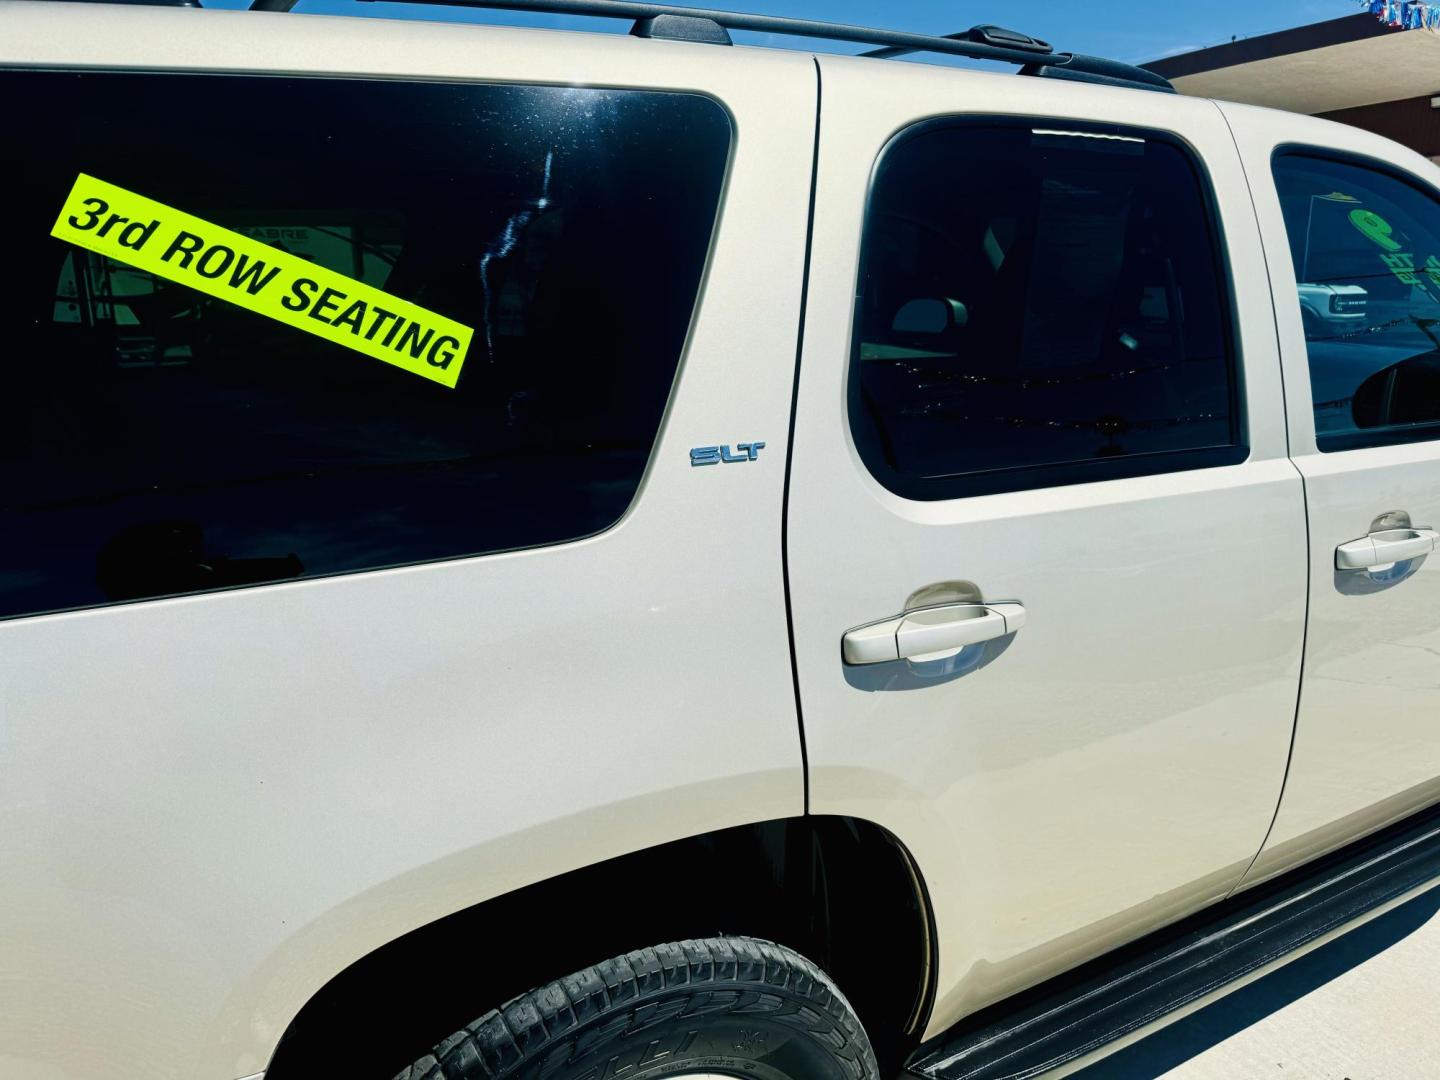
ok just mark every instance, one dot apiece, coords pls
pixel 1365 1006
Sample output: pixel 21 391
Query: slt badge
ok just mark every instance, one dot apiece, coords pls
pixel 714 455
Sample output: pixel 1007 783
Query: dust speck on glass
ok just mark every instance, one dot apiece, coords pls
pixel 157 441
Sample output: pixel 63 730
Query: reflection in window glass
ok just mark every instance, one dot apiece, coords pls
pixel 155 440
pixel 1366 252
pixel 1038 299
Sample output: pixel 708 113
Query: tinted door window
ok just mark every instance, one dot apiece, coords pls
pixel 155 440
pixel 1039 305
pixel 1365 245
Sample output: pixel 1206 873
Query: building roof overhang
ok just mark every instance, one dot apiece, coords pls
pixel 1339 64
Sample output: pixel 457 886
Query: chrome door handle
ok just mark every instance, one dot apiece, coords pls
pixel 931 633
pixel 1384 548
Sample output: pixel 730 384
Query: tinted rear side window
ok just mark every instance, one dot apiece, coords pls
pixel 155 440
pixel 1365 244
pixel 1039 304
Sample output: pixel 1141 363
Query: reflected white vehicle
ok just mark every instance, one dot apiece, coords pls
pixel 1332 310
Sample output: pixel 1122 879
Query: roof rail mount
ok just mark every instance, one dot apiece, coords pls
pixel 1097 69
pixel 1033 56
pixel 998 35
pixel 681 28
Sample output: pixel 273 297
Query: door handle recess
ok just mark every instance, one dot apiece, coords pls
pixel 1384 548
pixel 931 633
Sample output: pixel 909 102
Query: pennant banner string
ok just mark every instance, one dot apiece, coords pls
pixel 1406 14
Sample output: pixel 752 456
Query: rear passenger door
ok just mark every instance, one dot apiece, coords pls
pixel 1352 231
pixel 302 646
pixel 1046 552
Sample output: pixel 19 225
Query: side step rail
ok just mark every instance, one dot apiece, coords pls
pixel 1079 1012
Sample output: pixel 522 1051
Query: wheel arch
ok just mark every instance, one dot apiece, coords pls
pixel 842 891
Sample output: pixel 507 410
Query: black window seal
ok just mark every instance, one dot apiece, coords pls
pixel 1361 438
pixel 1090 470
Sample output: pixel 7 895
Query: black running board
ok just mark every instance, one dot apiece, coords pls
pixel 1075 1014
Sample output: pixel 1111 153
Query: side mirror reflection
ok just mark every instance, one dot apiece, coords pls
pixel 929 316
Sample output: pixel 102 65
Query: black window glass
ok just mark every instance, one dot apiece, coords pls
pixel 1366 250
pixel 155 440
pixel 1038 305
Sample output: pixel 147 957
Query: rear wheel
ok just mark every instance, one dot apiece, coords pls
pixel 729 1007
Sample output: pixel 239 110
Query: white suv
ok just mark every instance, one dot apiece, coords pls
pixel 664 559
pixel 1334 309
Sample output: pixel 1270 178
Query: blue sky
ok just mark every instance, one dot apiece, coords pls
pixel 1130 31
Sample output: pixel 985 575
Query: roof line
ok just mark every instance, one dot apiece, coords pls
pixel 1033 56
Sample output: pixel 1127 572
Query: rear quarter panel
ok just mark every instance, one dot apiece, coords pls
pixel 211 805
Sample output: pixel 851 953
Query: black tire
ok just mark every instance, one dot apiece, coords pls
pixel 731 1005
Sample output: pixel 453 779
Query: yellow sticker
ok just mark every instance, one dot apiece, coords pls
pixel 239 270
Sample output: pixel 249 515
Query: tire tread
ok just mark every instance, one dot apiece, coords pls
pixel 557 1022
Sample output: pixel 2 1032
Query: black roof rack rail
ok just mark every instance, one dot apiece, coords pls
pixel 1094 69
pixel 149 3
pixel 1035 57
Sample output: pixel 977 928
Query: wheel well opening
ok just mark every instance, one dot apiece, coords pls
pixel 841 891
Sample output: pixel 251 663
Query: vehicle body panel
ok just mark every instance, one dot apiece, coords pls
pixel 213 804
pixel 1118 764
pixel 1367 748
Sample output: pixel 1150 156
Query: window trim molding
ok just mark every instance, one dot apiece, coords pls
pixel 1057 474
pixel 1360 438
